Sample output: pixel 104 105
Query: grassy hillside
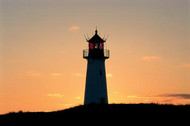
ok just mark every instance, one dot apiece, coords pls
pixel 110 113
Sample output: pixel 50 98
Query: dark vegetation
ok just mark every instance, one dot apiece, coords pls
pixel 130 113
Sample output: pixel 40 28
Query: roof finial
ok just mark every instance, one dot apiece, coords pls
pixel 96 32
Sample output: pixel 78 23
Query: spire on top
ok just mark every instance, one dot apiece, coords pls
pixel 96 38
pixel 96 31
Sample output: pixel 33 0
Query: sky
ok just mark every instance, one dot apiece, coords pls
pixel 41 43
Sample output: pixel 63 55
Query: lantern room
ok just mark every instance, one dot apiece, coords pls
pixel 96 42
pixel 96 48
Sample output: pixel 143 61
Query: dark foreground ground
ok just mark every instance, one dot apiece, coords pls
pixel 110 114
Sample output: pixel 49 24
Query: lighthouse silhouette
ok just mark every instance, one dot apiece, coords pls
pixel 96 87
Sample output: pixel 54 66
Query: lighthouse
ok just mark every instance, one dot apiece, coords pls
pixel 96 86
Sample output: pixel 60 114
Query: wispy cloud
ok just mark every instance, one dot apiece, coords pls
pixel 78 74
pixel 55 95
pixel 78 97
pixel 148 58
pixel 186 65
pixel 138 97
pixel 33 73
pixel 56 74
pixel 114 92
pixel 109 75
pixel 74 28
pixel 159 98
pixel 183 96
pixel 132 96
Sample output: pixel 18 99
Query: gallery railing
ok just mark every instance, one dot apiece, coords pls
pixel 106 53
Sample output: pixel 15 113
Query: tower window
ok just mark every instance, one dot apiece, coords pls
pixel 91 45
pixel 100 72
pixel 101 46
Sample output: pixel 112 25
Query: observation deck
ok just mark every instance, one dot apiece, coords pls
pixel 106 54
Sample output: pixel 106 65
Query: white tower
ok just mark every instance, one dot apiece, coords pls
pixel 96 87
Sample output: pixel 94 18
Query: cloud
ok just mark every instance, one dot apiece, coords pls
pixel 138 97
pixel 183 96
pixel 55 95
pixel 132 96
pixel 186 65
pixel 160 98
pixel 33 73
pixel 78 97
pixel 109 75
pixel 148 58
pixel 74 28
pixel 114 92
pixel 78 74
pixel 56 74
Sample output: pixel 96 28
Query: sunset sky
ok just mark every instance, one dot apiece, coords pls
pixel 41 43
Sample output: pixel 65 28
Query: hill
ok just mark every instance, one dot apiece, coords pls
pixel 98 113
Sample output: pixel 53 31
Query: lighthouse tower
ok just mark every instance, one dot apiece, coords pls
pixel 96 87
